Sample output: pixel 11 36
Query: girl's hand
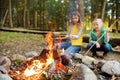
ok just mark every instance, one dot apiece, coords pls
pixel 97 45
pixel 67 36
pixel 74 36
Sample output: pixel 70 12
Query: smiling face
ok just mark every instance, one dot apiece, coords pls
pixel 97 24
pixel 75 19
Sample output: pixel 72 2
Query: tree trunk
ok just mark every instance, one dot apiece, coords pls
pixel 81 8
pixel 92 10
pixel 28 18
pixel 28 13
pixel 10 14
pixel 103 9
pixel 117 14
pixel 77 5
pixel 4 18
pixel 24 16
pixel 35 19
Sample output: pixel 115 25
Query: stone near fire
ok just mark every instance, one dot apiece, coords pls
pixel 99 53
pixel 17 56
pixel 5 62
pixel 31 54
pixel 111 67
pixel 87 60
pixel 87 74
pixel 78 56
pixel 95 62
pixel 76 74
pixel 5 77
pixel 3 70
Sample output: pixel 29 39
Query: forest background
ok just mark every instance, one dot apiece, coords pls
pixel 46 15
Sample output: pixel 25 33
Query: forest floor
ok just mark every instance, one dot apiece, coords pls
pixel 21 43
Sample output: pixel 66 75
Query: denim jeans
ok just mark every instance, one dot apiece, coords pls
pixel 105 48
pixel 69 49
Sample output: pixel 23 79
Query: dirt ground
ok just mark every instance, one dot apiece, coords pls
pixel 10 48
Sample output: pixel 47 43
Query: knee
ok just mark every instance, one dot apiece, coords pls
pixel 89 45
pixel 107 47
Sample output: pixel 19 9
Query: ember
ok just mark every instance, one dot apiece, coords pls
pixel 47 64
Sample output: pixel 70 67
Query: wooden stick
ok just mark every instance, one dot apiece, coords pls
pixel 60 38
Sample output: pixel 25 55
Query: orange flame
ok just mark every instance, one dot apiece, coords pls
pixel 37 66
pixel 60 66
pixel 49 40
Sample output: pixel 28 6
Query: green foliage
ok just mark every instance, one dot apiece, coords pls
pixel 57 12
pixel 57 79
pixel 17 61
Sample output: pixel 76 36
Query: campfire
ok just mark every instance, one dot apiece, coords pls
pixel 49 64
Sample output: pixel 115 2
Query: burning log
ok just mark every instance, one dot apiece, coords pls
pixel 57 69
pixel 49 63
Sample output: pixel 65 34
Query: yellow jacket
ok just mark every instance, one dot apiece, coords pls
pixel 74 30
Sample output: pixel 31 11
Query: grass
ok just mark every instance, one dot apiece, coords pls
pixel 115 35
pixel 19 37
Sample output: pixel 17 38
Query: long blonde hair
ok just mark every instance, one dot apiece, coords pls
pixel 99 21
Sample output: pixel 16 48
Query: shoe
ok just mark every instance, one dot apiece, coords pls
pixel 94 55
pixel 104 55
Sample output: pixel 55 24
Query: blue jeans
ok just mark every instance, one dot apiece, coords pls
pixel 69 49
pixel 105 48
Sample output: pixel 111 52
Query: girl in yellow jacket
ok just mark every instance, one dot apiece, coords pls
pixel 75 36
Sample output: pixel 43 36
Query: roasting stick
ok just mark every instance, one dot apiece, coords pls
pixel 100 38
pixel 60 38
